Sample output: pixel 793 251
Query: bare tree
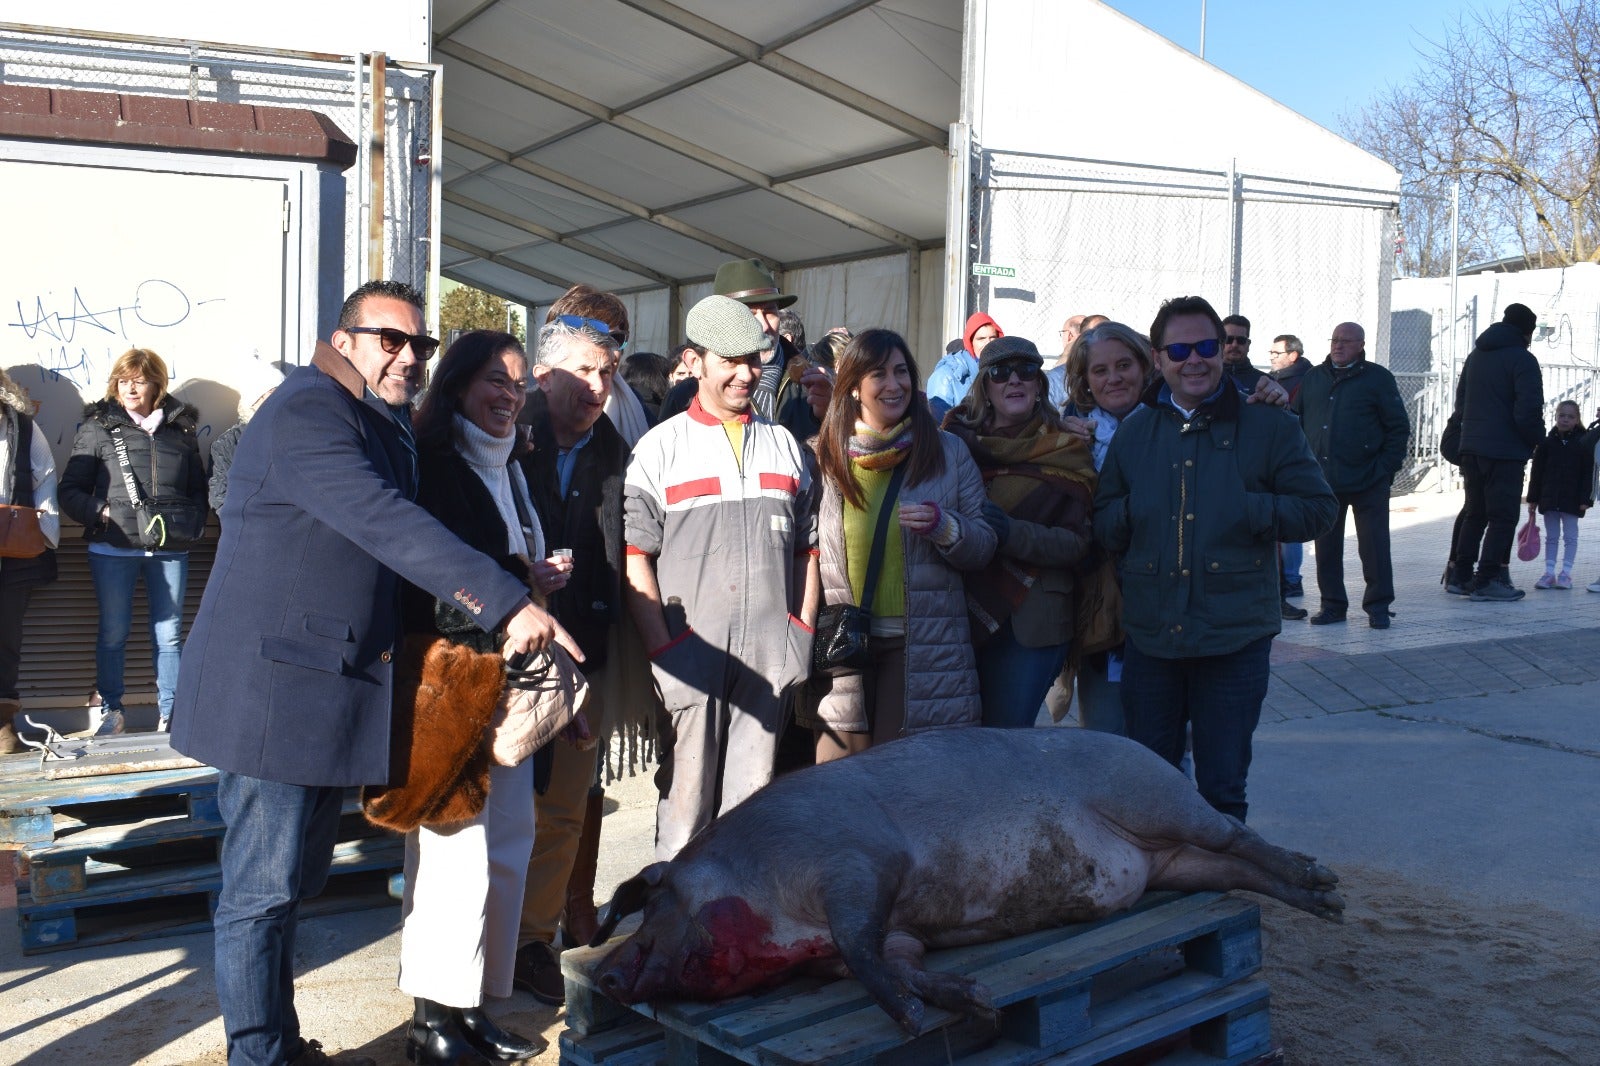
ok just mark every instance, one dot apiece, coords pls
pixel 1507 103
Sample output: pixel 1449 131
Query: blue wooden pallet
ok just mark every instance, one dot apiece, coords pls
pixel 123 856
pixel 136 835
pixel 1170 974
pixel 30 804
pixel 178 898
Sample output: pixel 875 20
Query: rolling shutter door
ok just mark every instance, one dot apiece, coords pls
pixel 58 632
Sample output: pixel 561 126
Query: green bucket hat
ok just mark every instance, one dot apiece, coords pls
pixel 747 281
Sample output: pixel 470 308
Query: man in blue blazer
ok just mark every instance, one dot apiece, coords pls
pixel 287 675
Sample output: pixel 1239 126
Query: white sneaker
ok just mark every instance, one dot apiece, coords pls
pixel 1595 586
pixel 165 724
pixel 111 724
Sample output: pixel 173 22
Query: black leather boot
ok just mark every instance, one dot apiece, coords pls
pixel 493 1041
pixel 436 1038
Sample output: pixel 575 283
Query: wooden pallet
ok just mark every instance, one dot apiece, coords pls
pixel 30 803
pixel 178 898
pixel 129 855
pixel 1169 976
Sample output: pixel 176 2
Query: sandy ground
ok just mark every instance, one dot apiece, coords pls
pixel 1418 976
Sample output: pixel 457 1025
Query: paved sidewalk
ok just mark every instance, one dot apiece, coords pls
pixel 1439 646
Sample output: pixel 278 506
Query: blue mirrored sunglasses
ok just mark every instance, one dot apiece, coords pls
pixel 1206 349
pixel 593 325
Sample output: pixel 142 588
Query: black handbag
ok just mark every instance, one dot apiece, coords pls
pixel 1450 439
pixel 166 523
pixel 843 642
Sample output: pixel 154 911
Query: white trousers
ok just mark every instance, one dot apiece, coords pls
pixel 463 898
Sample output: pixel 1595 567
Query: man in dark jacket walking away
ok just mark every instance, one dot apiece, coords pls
pixel 1500 411
pixel 1356 424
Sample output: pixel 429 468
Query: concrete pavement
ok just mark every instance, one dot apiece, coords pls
pixel 1456 749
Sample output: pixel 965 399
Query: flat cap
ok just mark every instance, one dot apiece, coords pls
pixel 725 326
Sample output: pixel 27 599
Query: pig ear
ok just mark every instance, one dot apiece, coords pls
pixel 629 898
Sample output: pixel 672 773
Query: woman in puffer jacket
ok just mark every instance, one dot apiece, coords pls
pixel 157 432
pixel 923 674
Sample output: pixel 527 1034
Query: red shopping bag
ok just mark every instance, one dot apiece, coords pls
pixel 1528 541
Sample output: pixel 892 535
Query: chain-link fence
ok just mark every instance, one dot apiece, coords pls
pixel 1435 322
pixel 338 90
pixel 1057 236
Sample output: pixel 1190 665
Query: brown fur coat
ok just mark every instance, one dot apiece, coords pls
pixel 445 700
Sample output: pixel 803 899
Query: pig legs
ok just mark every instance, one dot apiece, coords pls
pixel 889 964
pixel 1221 853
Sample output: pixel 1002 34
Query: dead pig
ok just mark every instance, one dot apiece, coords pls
pixel 946 838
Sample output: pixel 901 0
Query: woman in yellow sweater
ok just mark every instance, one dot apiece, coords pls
pixel 923 673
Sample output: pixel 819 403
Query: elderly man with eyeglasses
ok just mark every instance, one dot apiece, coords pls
pixel 1197 489
pixel 1356 422
pixel 287 683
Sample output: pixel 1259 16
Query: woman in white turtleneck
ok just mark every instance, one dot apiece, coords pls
pixel 463 894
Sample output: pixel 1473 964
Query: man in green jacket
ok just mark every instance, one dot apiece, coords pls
pixel 1357 426
pixel 1197 489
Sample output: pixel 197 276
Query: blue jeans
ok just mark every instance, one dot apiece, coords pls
pixel 1013 678
pixel 1218 695
pixel 114 579
pixel 1290 556
pixel 276 851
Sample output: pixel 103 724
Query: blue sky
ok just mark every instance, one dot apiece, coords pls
pixel 1320 59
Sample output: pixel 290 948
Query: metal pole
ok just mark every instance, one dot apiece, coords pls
pixel 957 253
pixel 435 192
pixel 1202 29
pixel 914 295
pixel 958 185
pixel 1235 228
pixel 375 168
pixel 358 246
pixel 1455 313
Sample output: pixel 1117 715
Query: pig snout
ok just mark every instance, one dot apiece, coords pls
pixel 621 973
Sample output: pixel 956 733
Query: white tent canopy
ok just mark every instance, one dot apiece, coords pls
pixel 636 144
pixel 1118 170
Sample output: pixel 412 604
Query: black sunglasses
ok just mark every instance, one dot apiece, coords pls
pixel 1000 373
pixel 392 340
pixel 1206 349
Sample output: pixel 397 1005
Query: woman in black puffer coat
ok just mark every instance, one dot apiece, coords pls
pixel 157 432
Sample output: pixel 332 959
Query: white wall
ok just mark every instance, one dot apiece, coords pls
pixel 188 256
pixel 1566 299
pixel 343 27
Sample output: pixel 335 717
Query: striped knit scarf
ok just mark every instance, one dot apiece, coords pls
pixel 872 450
